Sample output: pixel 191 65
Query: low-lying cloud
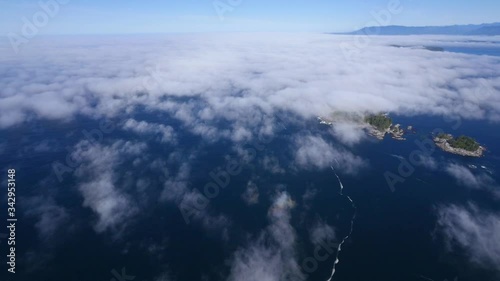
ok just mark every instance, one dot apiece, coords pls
pixel 473 230
pixel 464 176
pixel 204 79
pixel 273 255
pixel 477 180
pixel 97 182
pixel 312 152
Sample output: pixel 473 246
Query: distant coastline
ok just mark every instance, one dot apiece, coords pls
pixel 488 29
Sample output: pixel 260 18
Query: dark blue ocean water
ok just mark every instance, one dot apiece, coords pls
pixel 189 252
pixel 394 235
pixel 393 231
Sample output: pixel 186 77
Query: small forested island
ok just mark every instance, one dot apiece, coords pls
pixel 463 145
pixel 381 124
pixel 378 125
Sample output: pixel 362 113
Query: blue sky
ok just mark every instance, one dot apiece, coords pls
pixel 152 16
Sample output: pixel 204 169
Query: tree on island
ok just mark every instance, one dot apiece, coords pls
pixel 381 122
pixel 464 142
pixel 444 136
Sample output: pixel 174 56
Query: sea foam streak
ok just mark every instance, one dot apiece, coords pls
pixel 352 224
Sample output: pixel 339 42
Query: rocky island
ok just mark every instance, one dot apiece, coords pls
pixel 377 125
pixel 463 145
pixel 381 124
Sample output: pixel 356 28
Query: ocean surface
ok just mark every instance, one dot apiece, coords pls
pixel 484 51
pixel 394 233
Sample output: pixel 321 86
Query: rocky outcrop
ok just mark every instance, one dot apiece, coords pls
pixel 442 142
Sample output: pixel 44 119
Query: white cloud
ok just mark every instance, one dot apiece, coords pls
pixel 428 162
pixel 321 232
pixel 202 80
pixel 473 230
pixel 191 202
pixel 465 177
pixel 50 216
pixel 313 152
pixel 98 182
pixel 272 164
pixel 348 133
pixel 251 194
pixel 221 86
pixel 142 127
pixel 175 187
pixel 272 256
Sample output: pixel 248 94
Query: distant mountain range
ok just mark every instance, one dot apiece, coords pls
pixel 471 29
